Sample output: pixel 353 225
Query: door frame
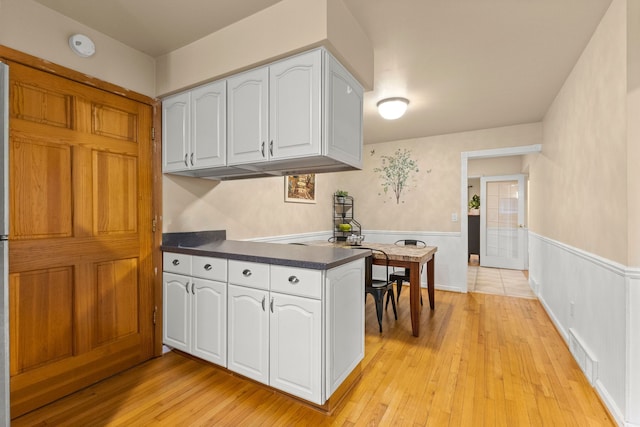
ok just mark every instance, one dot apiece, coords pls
pixel 465 156
pixel 9 54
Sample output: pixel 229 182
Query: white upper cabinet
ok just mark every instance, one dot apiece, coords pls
pixel 302 114
pixel 195 129
pixel 343 112
pixel 248 117
pixel 175 132
pixel 209 125
pixel 294 107
pixel 274 111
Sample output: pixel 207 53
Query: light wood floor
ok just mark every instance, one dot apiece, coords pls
pixel 480 360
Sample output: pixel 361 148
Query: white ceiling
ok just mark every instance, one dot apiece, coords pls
pixel 464 64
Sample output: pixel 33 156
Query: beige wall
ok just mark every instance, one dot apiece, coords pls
pixel 434 193
pixel 633 131
pixel 285 28
pixel 507 165
pixel 248 208
pixel 579 182
pixel 29 27
pixel 256 208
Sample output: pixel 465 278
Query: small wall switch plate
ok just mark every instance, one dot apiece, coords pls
pixel 454 217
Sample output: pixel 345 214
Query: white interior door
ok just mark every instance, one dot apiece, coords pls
pixel 502 229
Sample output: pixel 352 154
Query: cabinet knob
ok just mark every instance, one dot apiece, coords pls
pixel 262 148
pixel 191 159
pixel 271 305
pixel 208 267
pixel 294 280
pixel 186 163
pixel 263 300
pixel 246 273
pixel 271 148
pixel 175 262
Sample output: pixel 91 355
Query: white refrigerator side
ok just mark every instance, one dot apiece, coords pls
pixel 4 253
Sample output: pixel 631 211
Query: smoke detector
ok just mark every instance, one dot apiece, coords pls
pixel 82 45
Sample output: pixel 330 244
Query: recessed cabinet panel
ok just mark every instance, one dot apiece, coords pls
pixel 176 319
pixel 208 125
pixel 296 346
pixel 175 132
pixel 247 117
pixel 294 107
pixel 209 327
pixel 248 332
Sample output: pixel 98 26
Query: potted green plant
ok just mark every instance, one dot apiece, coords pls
pixel 341 194
pixel 474 205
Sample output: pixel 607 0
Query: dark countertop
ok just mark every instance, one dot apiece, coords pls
pixel 313 257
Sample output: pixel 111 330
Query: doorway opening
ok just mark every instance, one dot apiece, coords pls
pixel 476 273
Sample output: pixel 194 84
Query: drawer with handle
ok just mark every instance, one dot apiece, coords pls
pixel 303 282
pixel 209 268
pixel 252 274
pixel 176 263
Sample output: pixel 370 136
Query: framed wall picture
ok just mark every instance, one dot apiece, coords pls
pixel 300 188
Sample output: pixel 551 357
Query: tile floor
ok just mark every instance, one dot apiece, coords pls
pixel 498 281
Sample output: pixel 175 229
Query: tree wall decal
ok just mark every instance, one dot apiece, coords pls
pixel 395 171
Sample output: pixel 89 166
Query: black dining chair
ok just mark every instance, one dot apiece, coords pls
pixel 403 275
pixel 378 288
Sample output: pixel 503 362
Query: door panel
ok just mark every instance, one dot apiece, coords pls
pixel 41 316
pixel 80 264
pixel 43 171
pixel 117 300
pixel 116 193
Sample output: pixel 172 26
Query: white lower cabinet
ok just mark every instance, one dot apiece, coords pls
pixel 176 321
pixel 276 339
pixel 296 346
pixel 209 321
pixel 195 309
pixel 298 330
pixel 248 332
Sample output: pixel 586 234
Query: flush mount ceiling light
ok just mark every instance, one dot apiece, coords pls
pixel 392 108
pixel 82 45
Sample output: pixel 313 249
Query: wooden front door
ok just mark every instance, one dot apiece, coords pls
pixel 80 238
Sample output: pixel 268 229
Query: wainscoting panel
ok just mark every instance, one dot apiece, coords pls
pixel 450 266
pixel 586 296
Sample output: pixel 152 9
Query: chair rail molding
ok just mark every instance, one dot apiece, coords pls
pixel 447 277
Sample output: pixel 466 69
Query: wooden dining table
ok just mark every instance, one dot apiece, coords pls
pixel 410 257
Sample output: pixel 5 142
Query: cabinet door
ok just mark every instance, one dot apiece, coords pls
pixel 175 133
pixel 176 319
pixel 248 332
pixel 209 126
pixel 294 106
pixel 247 117
pixel 295 341
pixel 343 115
pixel 209 321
